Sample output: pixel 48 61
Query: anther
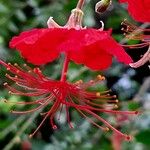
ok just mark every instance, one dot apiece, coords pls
pixel 8 68
pixel 5 84
pixel 114 96
pixel 15 64
pixel 80 81
pixel 103 78
pixel 24 65
pixel 107 129
pixel 9 92
pixel 99 77
pixel 115 106
pixel 116 100
pixel 98 94
pixel 30 136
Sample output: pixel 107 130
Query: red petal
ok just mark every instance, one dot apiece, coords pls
pixel 96 55
pixel 39 46
pixel 113 48
pixel 139 9
pixel 92 56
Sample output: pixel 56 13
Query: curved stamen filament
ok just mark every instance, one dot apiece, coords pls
pixel 106 123
pixel 35 109
pixel 91 121
pixel 141 45
pixel 48 114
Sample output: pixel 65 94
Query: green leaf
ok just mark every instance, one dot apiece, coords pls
pixel 143 137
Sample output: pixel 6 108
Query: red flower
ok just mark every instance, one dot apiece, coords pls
pixel 136 33
pixel 139 9
pixel 91 47
pixel 59 94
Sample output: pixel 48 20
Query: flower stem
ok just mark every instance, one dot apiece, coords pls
pixel 65 68
pixel 80 4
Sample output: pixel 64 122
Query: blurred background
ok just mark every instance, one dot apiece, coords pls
pixel 131 85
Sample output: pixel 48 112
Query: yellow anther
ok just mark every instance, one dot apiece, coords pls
pixel 98 94
pixel 99 77
pixel 24 65
pixel 5 84
pixel 107 129
pixel 80 81
pixel 77 82
pixel 114 96
pixel 116 100
pixel 103 78
pixel 15 64
pixel 115 106
pixel 10 92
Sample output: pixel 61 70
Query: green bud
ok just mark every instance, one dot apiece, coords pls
pixel 102 6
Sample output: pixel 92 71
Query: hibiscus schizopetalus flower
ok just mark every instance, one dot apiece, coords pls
pixel 40 46
pixel 93 48
pixel 139 9
pixel 56 95
pixel 135 33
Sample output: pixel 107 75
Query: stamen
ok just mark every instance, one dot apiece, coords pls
pixel 91 121
pixel 135 33
pixel 105 122
pixel 99 77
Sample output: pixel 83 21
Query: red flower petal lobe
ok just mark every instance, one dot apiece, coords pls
pixel 39 46
pixel 139 9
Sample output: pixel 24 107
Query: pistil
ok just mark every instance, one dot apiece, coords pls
pixel 65 69
pixel 80 4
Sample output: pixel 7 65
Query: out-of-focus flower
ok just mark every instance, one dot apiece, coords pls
pixel 59 94
pixel 135 33
pixel 139 9
pixel 92 47
pixel 26 145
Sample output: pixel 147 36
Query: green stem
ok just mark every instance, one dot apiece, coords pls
pixel 65 69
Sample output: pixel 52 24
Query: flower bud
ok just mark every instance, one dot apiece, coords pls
pixel 102 6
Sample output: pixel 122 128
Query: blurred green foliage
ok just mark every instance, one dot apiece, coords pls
pixel 19 15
